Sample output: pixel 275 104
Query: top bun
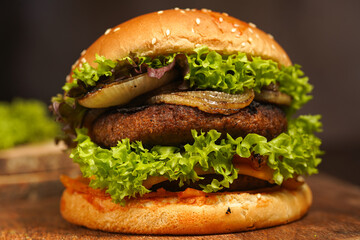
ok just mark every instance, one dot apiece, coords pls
pixel 165 32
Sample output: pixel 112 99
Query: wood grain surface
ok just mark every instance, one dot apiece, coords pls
pixel 335 214
pixel 29 158
pixel 32 171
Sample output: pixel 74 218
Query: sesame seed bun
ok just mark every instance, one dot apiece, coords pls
pixel 169 31
pixel 204 214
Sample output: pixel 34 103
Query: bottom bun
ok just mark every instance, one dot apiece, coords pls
pixel 202 214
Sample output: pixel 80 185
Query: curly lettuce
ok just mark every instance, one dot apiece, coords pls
pixel 89 75
pixel 210 70
pixel 122 169
pixel 25 121
pixel 234 73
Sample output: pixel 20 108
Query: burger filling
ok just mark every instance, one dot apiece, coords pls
pixel 205 121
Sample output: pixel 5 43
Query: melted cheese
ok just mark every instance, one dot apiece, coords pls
pixel 264 173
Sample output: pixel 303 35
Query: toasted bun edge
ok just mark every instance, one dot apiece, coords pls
pixel 221 213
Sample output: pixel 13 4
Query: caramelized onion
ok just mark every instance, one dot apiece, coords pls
pixel 275 97
pixel 207 101
pixel 122 92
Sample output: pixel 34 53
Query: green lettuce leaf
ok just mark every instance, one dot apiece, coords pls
pixel 122 169
pixel 25 121
pixel 90 75
pixel 233 73
pixel 210 70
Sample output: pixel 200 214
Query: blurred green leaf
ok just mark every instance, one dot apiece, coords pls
pixel 25 121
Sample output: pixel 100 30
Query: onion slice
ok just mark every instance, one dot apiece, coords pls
pixel 275 97
pixel 207 101
pixel 119 93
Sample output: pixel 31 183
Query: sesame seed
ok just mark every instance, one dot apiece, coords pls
pixel 257 36
pixel 198 21
pixel 250 30
pixel 116 29
pixel 187 9
pixel 83 52
pixel 83 60
pixel 271 36
pixel 221 19
pixel 68 78
pixel 76 63
pixel 107 31
pixel 167 32
pixel 192 30
pixel 236 25
pixel 182 11
pixel 233 30
pixel 153 41
pixel 243 44
pixel 252 25
pixel 224 13
pixel 176 8
pixel 80 65
pixel 160 12
pixel 250 39
pixel 198 45
pixel 193 9
pixel 273 46
pixel 258 195
pixel 237 35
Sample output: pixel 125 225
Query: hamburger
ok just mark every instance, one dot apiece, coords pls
pixel 182 123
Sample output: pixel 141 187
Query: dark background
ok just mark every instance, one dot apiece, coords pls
pixel 42 39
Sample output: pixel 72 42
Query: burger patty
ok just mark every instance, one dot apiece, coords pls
pixel 172 124
pixel 242 183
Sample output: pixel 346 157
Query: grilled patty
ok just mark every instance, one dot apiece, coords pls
pixel 242 183
pixel 171 124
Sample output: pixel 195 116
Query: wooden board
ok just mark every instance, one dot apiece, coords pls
pixel 31 158
pixel 335 214
pixel 32 171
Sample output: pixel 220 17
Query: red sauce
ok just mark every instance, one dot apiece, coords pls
pixel 81 185
pixel 96 197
